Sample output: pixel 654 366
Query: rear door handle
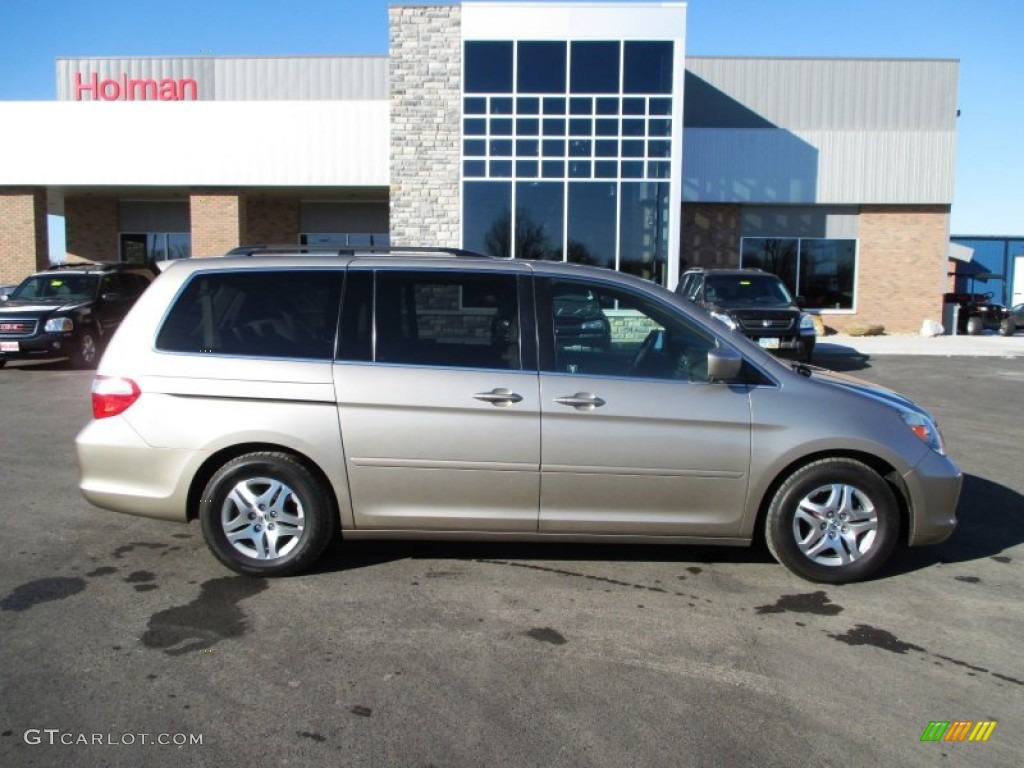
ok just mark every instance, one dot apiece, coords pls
pixel 500 396
pixel 581 401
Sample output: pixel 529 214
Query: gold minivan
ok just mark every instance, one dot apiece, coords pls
pixel 285 399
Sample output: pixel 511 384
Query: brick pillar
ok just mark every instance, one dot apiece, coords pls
pixel 91 228
pixel 902 260
pixel 24 244
pixel 272 221
pixel 218 221
pixel 425 65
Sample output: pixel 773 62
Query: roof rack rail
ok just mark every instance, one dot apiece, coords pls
pixel 350 250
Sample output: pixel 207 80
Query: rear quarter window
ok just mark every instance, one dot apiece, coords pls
pixel 266 313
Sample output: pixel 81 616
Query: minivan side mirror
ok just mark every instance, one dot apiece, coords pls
pixel 724 364
pixel 801 301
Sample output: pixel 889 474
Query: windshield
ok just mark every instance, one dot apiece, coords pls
pixel 56 288
pixel 746 290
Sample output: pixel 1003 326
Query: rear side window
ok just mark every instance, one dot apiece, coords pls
pixel 291 314
pixel 444 319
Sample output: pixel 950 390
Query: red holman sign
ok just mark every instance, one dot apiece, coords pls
pixel 124 88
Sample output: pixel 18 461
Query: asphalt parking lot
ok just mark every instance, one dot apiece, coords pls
pixel 118 633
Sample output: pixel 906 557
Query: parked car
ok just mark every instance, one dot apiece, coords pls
pixel 1013 322
pixel 68 311
pixel 977 312
pixel 757 304
pixel 280 399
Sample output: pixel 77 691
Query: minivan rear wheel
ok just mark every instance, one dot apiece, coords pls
pixel 266 514
pixel 833 521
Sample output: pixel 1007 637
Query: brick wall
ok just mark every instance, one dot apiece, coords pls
pixel 91 228
pixel 901 267
pixel 218 221
pixel 426 109
pixel 24 244
pixel 709 236
pixel 271 220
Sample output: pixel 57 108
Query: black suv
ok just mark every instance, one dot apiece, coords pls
pixel 68 311
pixel 756 303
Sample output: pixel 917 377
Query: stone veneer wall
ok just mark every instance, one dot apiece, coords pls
pixel 425 72
pixel 92 228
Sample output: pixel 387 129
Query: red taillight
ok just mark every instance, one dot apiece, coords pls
pixel 112 395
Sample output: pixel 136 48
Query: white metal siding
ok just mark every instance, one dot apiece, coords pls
pixel 258 143
pixel 274 78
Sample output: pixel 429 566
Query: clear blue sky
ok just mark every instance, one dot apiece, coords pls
pixel 985 35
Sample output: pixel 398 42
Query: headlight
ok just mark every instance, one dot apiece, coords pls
pixel 59 325
pixel 724 318
pixel 592 325
pixel 807 325
pixel 924 428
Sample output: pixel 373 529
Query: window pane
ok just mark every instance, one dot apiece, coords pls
pixel 633 106
pixel 608 106
pixel 581 126
pixel 447 320
pixel 501 106
pixel 179 246
pixel 487 217
pixel 606 148
pixel 635 127
pixel 772 254
pixel 826 273
pixel 648 67
pixel 554 106
pixel 552 169
pixel 591 236
pixel 579 148
pixel 541 67
pixel 474 106
pixel 526 148
pixel 539 213
pixel 554 148
pixel 474 148
pixel 659 128
pixel 527 126
pixel 477 168
pixel 554 126
pixel 603 331
pixel 263 313
pixel 594 67
pixel 530 106
pixel 632 149
pixel 660 107
pixel 606 169
pixel 474 126
pixel 501 147
pixel 643 240
pixel 501 169
pixel 527 168
pixel 607 127
pixel 488 67
pixel 501 126
pixel 659 148
pixel 579 169
pixel 581 106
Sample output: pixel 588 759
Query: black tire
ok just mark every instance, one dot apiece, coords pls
pixel 3 363
pixel 1007 327
pixel 86 351
pixel 975 325
pixel 298 508
pixel 822 492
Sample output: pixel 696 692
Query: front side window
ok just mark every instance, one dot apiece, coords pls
pixel 58 287
pixel 600 330
pixel 451 320
pixel 285 314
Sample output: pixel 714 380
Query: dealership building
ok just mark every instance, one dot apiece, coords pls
pixel 568 131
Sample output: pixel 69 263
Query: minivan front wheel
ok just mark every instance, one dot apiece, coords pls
pixel 833 521
pixel 266 514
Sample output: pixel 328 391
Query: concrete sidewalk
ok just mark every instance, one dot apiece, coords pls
pixel 986 345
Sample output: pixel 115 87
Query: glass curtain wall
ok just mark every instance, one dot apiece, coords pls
pixel 566 151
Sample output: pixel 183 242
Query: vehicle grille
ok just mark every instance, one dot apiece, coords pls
pixel 766 323
pixel 14 329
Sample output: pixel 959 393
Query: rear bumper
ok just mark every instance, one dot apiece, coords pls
pixel 121 472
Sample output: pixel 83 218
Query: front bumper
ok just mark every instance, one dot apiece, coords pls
pixel 934 487
pixel 42 346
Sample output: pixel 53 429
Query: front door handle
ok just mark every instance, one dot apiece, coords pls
pixel 581 401
pixel 500 396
